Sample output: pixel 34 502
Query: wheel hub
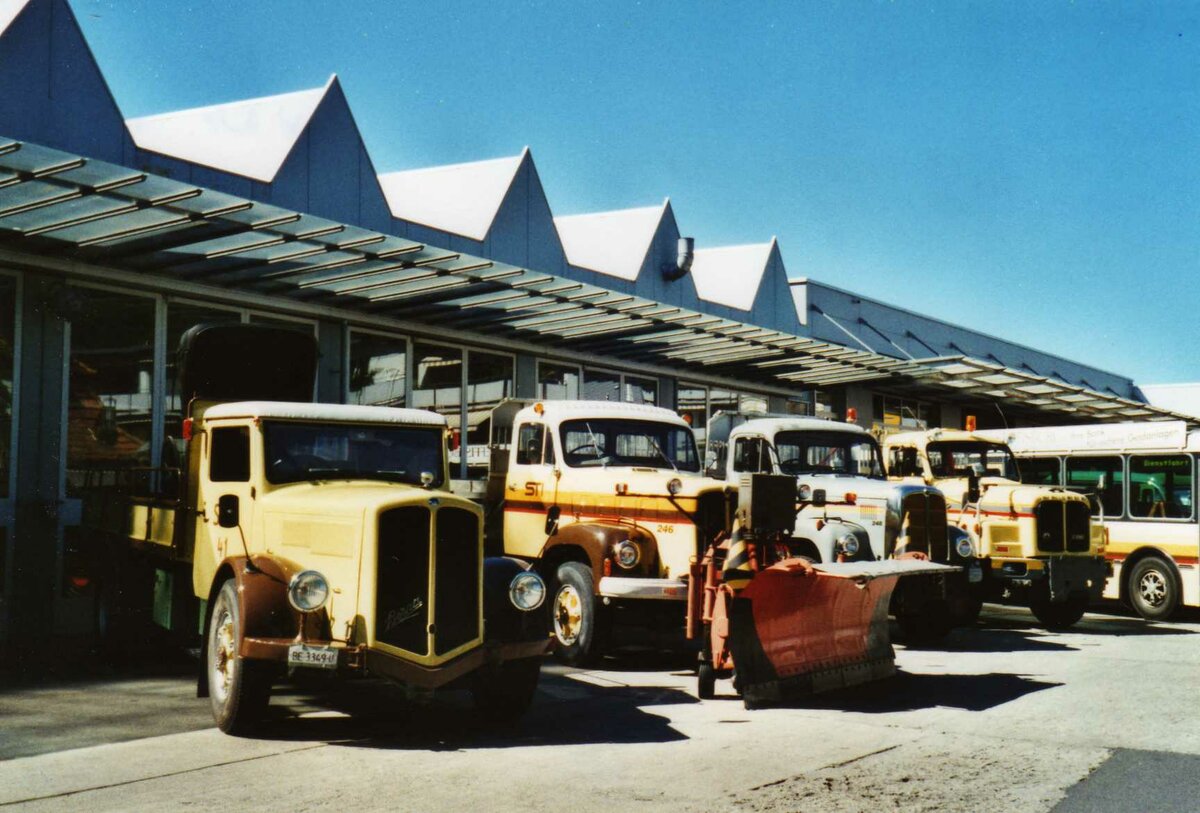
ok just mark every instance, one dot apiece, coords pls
pixel 223 656
pixel 568 615
pixel 1152 588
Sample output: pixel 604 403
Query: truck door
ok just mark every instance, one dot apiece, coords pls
pixel 530 490
pixel 225 485
pixel 751 454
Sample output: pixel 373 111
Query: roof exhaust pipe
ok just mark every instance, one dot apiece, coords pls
pixel 685 253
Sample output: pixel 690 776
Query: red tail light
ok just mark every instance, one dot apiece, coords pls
pixel 187 429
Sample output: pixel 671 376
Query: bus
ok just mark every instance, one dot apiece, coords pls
pixel 1142 479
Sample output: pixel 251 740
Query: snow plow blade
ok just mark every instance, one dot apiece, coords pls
pixel 799 628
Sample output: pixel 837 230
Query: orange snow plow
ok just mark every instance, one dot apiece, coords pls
pixel 780 625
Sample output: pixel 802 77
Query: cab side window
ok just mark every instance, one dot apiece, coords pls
pixel 531 441
pixel 229 461
pixel 750 454
pixel 902 462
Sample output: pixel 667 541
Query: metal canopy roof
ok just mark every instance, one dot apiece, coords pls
pixel 55 202
pixel 123 218
pixel 971 378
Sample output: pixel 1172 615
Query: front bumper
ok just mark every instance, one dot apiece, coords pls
pixel 1062 576
pixel 623 587
pixel 359 659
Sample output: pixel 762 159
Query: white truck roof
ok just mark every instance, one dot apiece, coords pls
pixel 557 411
pixel 342 413
pixel 798 424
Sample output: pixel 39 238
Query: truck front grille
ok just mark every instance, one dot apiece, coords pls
pixel 924 516
pixel 1079 528
pixel 456 600
pixel 406 616
pixel 402 582
pixel 1062 526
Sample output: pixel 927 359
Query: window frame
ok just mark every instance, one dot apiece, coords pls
pixel 1129 487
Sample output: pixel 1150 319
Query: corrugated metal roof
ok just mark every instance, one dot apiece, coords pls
pixel 461 199
pixel 614 243
pixel 731 275
pixel 250 137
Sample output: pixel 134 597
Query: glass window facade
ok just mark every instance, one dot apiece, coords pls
pixel 600 385
pixel 110 378
pixel 489 381
pixel 8 340
pixel 557 382
pixel 378 372
pixel 641 390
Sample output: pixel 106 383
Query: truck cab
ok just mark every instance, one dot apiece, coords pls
pixel 324 537
pixel 609 503
pixel 1043 548
pixel 847 510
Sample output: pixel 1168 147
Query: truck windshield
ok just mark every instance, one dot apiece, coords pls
pixel 957 458
pixel 815 452
pixel 295 452
pixel 620 442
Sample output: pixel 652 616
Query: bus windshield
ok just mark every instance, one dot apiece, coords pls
pixel 297 452
pixel 622 442
pixel 828 453
pixel 957 458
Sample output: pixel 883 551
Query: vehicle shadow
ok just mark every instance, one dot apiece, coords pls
pixel 915 692
pixel 376 714
pixel 991 639
pixel 1092 624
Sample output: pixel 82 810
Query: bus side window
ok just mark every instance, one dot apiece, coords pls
pixel 1089 473
pixel 1044 471
pixel 1160 486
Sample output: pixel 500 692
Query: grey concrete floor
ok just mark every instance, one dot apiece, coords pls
pixel 1003 716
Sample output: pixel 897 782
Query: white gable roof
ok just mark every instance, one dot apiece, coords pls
pixel 251 137
pixel 9 9
pixel 730 275
pixel 613 243
pixel 461 199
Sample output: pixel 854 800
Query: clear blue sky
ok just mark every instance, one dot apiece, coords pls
pixel 1031 170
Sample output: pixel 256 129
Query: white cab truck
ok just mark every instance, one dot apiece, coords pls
pixel 608 502
pixel 847 511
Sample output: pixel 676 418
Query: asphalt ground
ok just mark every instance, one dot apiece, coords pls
pixel 1002 716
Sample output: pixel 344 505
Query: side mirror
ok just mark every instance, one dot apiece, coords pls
pixel 1102 483
pixel 227 511
pixel 552 515
pixel 972 494
pixel 818 498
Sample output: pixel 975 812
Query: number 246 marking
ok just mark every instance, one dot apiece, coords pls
pixel 666 529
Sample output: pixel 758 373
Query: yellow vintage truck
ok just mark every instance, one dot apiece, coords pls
pixel 609 502
pixel 1042 547
pixel 304 536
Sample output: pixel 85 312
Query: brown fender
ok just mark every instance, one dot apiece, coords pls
pixel 262 594
pixel 596 539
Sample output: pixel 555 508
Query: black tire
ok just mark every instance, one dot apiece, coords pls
pixel 1061 615
pixel 573 614
pixel 706 681
pixel 1152 590
pixel 239 689
pixel 931 624
pixel 968 613
pixel 503 693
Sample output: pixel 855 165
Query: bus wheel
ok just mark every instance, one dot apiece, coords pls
pixel 573 613
pixel 239 689
pixel 1059 616
pixel 1152 590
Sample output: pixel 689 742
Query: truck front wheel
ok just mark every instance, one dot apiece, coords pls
pixel 573 613
pixel 239 689
pixel 503 693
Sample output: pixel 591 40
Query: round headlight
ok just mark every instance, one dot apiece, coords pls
pixel 963 546
pixel 804 493
pixel 627 554
pixel 527 591
pixel 308 591
pixel 674 486
pixel 848 544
